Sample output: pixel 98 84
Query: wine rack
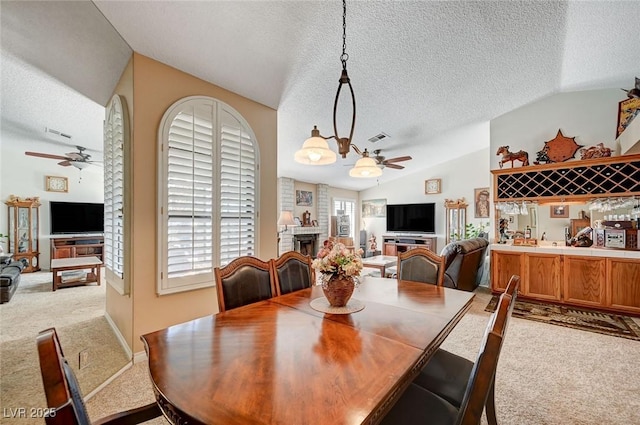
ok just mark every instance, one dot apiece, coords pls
pixel 570 181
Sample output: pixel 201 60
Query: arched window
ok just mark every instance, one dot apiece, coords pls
pixel 208 192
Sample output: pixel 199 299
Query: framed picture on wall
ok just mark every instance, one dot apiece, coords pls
pixel 374 208
pixel 559 211
pixel 304 198
pixel 628 109
pixel 432 186
pixel 482 204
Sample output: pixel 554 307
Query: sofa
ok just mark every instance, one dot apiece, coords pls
pixel 10 272
pixel 464 263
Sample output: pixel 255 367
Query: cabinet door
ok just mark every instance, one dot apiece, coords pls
pixel 503 266
pixel 63 252
pixel 390 249
pixel 584 280
pixel 624 283
pixel 542 276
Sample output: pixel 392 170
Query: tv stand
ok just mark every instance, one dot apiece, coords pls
pixel 77 246
pixel 393 244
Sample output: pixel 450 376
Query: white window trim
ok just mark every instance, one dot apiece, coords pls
pixel 352 218
pixel 204 280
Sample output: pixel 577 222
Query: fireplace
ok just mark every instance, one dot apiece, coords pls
pixel 306 244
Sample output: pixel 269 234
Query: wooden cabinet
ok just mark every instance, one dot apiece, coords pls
pixel 584 280
pixel 24 230
pixel 542 276
pixel 624 275
pixel 83 246
pixel 393 244
pixel 503 266
pixel 607 283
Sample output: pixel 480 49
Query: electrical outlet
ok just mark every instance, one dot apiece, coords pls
pixel 83 359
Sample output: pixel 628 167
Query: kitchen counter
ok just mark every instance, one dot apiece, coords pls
pixel 567 250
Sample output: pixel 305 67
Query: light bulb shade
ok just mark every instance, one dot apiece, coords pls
pixel 286 219
pixel 365 167
pixel 315 151
pixel 80 165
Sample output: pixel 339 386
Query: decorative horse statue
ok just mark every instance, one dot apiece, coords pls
pixel 512 156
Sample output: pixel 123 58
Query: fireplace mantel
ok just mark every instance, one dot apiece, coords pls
pixel 296 230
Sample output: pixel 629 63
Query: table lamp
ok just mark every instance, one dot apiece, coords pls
pixel 285 219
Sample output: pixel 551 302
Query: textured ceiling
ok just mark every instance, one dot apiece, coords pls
pixel 419 69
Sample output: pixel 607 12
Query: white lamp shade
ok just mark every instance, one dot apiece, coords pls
pixel 315 151
pixel 80 165
pixel 286 219
pixel 365 167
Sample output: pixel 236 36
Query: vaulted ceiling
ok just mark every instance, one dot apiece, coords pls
pixel 419 69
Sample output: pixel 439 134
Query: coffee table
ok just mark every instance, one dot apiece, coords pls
pixel 60 265
pixel 380 262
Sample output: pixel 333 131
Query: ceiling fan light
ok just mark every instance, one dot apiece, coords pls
pixel 80 165
pixel 365 168
pixel 315 151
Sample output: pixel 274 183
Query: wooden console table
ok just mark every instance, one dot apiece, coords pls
pixel 80 246
pixel 393 244
pixel 58 266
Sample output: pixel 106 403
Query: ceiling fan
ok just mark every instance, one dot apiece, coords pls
pixel 78 159
pixel 381 160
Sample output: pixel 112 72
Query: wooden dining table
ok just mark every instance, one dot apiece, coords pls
pixel 280 361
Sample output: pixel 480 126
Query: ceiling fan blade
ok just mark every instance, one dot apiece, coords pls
pixel 75 156
pixel 397 167
pixel 65 163
pixel 398 159
pixel 46 155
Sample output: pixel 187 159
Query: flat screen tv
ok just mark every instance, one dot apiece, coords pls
pixel 411 218
pixel 76 217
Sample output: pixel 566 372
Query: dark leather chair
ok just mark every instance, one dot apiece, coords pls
pixel 64 398
pixel 464 263
pixel 10 279
pixel 292 271
pixel 420 265
pixel 243 281
pixel 447 375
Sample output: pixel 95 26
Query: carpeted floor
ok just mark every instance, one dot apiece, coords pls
pixel 574 317
pixel 78 315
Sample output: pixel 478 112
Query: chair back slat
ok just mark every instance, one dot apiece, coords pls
pixel 244 281
pixel 291 272
pixel 421 265
pixel 483 373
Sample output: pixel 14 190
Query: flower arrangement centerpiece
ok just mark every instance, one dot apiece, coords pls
pixel 338 266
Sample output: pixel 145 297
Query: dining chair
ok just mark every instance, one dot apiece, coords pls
pixel 243 281
pixel 64 399
pixel 418 405
pixel 421 265
pixel 292 271
pixel 447 374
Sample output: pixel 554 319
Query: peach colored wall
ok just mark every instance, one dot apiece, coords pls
pixel 156 88
pixel 120 307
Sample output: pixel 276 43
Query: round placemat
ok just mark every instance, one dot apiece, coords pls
pixel 322 304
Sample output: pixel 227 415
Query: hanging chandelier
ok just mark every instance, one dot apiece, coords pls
pixel 315 150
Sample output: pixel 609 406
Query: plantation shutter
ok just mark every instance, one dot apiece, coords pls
pixel 348 208
pixel 114 237
pixel 207 193
pixel 237 191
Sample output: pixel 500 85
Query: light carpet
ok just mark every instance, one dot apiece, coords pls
pixel 78 315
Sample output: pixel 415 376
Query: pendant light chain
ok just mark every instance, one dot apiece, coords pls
pixel 344 57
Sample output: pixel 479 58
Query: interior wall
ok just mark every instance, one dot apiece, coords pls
pixel 590 116
pixel 156 87
pixel 459 177
pixel 25 176
pixel 120 307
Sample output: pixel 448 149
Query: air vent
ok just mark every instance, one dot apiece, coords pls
pixel 56 135
pixel 378 137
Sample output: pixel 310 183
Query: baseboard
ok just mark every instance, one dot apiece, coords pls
pixel 140 356
pixel 121 339
pixel 108 381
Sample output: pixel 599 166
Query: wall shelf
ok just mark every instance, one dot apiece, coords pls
pixel 569 181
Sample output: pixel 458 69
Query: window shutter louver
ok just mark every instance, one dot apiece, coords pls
pixel 114 179
pixel 209 173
